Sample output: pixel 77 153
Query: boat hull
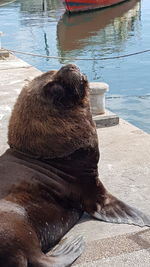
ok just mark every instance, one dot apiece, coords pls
pixel 84 5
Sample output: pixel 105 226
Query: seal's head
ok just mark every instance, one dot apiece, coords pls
pixel 52 117
pixel 68 87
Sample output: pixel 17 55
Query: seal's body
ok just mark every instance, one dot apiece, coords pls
pixel 49 175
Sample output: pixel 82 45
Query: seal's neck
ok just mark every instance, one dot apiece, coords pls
pixel 82 160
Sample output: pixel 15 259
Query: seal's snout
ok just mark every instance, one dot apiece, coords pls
pixel 74 84
pixel 68 87
pixel 68 73
pixel 70 67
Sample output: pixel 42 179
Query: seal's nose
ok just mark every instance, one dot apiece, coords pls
pixel 71 67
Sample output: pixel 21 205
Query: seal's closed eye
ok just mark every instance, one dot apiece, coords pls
pixel 59 95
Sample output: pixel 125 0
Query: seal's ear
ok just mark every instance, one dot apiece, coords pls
pixel 54 91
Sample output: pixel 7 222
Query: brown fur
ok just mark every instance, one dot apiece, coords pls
pixel 54 122
pixel 49 176
pixel 53 149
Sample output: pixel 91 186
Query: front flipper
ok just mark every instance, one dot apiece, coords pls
pixel 63 255
pixel 115 211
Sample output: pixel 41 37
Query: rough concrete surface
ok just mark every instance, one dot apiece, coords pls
pixel 106 120
pixel 14 73
pixel 124 168
pixel 3 53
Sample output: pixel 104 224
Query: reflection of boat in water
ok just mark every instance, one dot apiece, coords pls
pixel 5 2
pixel 82 5
pixel 38 6
pixel 75 31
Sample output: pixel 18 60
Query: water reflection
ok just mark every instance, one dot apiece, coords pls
pixel 36 25
pixel 38 6
pixel 111 27
pixel 36 18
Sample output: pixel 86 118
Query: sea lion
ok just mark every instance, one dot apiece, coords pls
pixel 49 175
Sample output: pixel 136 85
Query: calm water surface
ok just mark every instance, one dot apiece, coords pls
pixel 30 25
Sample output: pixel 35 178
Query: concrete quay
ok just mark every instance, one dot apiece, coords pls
pixel 14 74
pixel 124 168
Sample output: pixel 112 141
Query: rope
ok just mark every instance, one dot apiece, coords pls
pixel 127 96
pixel 67 58
pixel 10 2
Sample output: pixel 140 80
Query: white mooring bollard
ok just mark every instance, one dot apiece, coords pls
pixel 97 97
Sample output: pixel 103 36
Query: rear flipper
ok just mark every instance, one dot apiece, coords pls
pixel 64 254
pixel 115 211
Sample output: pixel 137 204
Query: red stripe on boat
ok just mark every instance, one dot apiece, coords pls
pixel 81 5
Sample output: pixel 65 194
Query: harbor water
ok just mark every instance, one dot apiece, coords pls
pixel 42 27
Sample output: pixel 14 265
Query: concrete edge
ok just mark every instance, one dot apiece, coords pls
pixel 4 53
pixel 108 119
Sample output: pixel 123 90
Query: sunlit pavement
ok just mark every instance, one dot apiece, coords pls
pixel 124 168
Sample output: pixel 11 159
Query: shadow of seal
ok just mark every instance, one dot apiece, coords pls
pixel 49 175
